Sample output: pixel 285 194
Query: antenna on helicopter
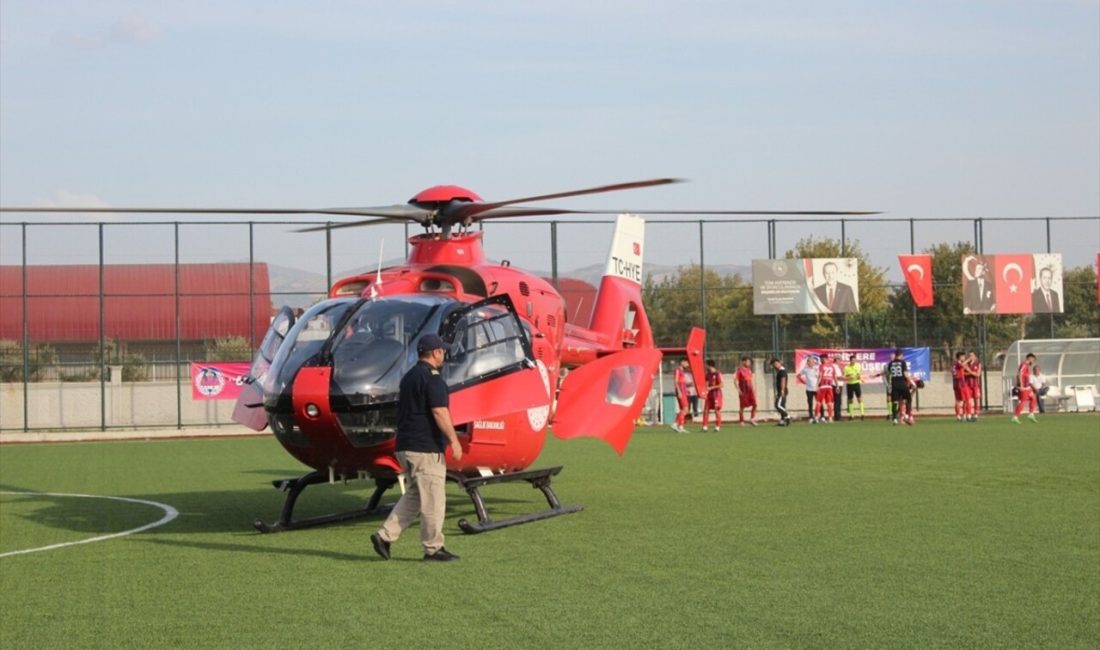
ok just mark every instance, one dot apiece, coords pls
pixel 376 286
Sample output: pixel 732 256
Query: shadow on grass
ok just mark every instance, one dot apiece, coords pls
pixel 230 511
pixel 266 550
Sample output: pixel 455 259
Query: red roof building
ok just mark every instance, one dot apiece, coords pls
pixel 139 302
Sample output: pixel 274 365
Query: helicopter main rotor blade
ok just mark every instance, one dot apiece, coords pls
pixel 475 209
pixel 400 212
pixel 353 224
pixel 828 213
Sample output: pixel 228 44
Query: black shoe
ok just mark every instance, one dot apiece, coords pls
pixel 442 555
pixel 381 546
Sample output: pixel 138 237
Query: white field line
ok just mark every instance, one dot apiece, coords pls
pixel 170 513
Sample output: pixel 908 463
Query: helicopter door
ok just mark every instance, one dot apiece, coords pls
pixel 489 366
pixel 602 399
pixel 249 409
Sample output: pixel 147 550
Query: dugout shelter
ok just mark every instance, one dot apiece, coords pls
pixel 1071 368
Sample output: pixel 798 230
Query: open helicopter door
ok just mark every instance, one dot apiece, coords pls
pixel 249 409
pixel 490 367
pixel 603 398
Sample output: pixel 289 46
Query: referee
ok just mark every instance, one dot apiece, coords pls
pixel 424 430
pixel 853 381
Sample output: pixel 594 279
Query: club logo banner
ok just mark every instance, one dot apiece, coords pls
pixel 1012 284
pixel 918 275
pixel 805 286
pixel 220 380
pixel 871 360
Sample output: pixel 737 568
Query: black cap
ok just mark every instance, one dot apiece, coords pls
pixel 429 342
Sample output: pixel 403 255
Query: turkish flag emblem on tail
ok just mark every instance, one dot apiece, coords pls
pixel 918 275
pixel 1013 275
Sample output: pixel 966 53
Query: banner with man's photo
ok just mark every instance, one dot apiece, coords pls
pixel 871 360
pixel 1012 284
pixel 805 286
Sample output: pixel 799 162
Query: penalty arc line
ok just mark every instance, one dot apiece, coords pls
pixel 170 513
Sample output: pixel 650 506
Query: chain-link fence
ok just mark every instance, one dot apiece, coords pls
pixel 118 349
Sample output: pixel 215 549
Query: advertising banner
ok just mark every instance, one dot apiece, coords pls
pixel 218 380
pixel 1012 284
pixel 871 360
pixel 918 275
pixel 805 286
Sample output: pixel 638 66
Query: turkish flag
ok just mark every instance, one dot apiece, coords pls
pixel 1012 275
pixel 918 275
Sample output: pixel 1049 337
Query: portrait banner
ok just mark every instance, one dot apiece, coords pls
pixel 805 286
pixel 218 380
pixel 1012 283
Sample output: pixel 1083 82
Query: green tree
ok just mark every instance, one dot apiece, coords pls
pixel 230 348
pixel 1081 315
pixel 134 366
pixel 821 330
pixel 943 326
pixel 39 359
pixel 675 305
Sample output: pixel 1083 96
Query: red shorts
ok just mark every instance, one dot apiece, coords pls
pixel 747 399
pixel 962 392
pixel 714 402
pixel 683 400
pixel 825 394
pixel 975 390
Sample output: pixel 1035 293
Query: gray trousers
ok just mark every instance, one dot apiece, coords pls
pixel 425 495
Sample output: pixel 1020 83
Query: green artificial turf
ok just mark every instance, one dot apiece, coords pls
pixel 856 534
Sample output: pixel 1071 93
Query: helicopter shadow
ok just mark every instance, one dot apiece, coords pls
pixel 224 511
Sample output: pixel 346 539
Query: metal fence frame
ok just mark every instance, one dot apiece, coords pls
pixel 554 228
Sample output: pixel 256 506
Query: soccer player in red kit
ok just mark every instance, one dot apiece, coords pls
pixel 826 387
pixel 680 381
pixel 959 384
pixel 747 392
pixel 974 384
pixel 714 396
pixel 1024 392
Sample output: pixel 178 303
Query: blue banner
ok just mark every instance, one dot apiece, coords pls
pixel 872 360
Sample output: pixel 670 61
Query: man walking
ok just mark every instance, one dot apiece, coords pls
pixel 424 430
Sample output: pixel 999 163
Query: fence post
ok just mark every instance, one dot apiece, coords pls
pixel 26 335
pixel 913 250
pixel 554 253
pixel 844 253
pixel 775 317
pixel 179 316
pixel 102 340
pixel 702 286
pixel 1063 286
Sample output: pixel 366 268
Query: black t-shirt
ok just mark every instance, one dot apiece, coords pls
pixel 895 370
pixel 780 380
pixel 422 389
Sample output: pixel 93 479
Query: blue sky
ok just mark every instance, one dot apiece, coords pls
pixel 922 109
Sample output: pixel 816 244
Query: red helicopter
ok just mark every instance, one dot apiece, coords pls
pixel 326 380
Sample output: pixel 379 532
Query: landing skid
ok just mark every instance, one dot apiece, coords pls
pixel 538 478
pixel 294 486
